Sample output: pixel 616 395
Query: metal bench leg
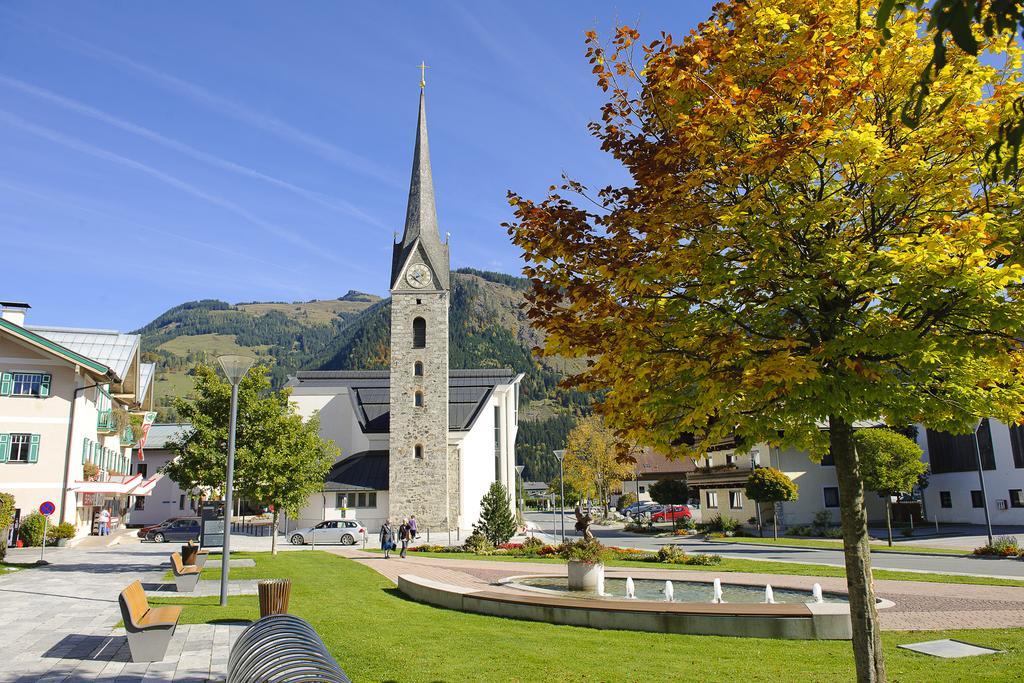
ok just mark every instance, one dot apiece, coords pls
pixel 150 645
pixel 186 583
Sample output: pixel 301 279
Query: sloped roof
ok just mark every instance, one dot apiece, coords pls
pixel 49 345
pixel 650 463
pixel 109 347
pixel 161 434
pixel 146 373
pixel 365 470
pixel 370 390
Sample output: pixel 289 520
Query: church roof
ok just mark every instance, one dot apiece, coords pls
pixel 364 470
pixel 421 230
pixel 370 390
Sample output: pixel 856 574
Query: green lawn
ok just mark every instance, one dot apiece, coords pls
pixel 829 544
pixel 754 567
pixel 378 635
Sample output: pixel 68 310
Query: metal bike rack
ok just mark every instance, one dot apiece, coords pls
pixel 282 648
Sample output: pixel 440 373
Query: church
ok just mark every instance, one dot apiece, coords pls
pixel 419 438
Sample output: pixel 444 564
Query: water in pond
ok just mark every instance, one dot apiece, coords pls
pixel 684 591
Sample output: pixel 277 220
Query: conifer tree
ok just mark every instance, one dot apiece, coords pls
pixel 496 520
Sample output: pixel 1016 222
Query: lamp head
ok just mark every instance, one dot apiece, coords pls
pixel 560 455
pixel 235 367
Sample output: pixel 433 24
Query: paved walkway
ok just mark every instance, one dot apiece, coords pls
pixel 918 605
pixel 58 621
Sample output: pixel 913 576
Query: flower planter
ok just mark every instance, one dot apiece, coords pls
pixel 585 576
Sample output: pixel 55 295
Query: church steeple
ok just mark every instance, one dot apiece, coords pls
pixel 421 230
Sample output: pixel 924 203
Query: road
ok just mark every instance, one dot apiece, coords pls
pixel 919 563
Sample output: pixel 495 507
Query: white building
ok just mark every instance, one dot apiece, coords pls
pixel 166 499
pixel 954 491
pixel 416 439
pixel 61 390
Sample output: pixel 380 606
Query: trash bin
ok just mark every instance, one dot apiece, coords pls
pixel 189 553
pixel 274 594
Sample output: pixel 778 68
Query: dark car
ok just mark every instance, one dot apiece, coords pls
pixel 150 527
pixel 180 529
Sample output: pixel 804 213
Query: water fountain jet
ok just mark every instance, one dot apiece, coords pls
pixel 816 593
pixel 630 588
pixel 769 596
pixel 717 599
pixel 669 591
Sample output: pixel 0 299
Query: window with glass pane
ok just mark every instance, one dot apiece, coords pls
pixel 945 499
pixel 20 445
pixel 1016 500
pixel 712 498
pixel 736 500
pixel 977 500
pixel 831 496
pixel 27 384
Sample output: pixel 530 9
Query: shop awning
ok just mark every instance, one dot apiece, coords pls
pixel 133 485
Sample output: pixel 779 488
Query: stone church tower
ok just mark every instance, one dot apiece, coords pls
pixel 423 478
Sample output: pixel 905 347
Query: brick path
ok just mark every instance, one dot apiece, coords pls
pixel 919 605
pixel 58 621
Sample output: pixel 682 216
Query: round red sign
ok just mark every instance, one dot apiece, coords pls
pixel 47 508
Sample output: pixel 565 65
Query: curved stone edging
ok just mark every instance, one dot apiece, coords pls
pixel 826 621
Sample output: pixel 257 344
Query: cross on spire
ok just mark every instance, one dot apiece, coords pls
pixel 423 74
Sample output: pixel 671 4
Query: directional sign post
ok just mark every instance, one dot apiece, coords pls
pixel 46 509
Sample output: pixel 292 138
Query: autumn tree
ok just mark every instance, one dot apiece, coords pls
pixel 788 257
pixel 890 464
pixel 592 464
pixel 280 460
pixel 769 485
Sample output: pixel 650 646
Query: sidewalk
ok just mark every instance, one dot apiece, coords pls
pixel 59 619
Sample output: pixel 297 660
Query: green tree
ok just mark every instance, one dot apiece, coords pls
pixel 769 485
pixel 6 520
pixel 572 496
pixel 669 492
pixel 279 459
pixel 890 464
pixel 496 523
pixel 787 258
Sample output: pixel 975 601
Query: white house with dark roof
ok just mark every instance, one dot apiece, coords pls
pixel 166 499
pixel 59 388
pixel 418 438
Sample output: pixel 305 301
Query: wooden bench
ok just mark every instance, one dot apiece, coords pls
pixel 186 576
pixel 149 629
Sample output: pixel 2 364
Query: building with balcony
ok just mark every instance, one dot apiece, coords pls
pixel 65 397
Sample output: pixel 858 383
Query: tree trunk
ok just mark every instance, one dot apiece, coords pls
pixel 273 534
pixel 867 641
pixel 888 517
pixel 775 525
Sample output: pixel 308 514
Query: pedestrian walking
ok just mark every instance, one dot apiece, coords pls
pixel 105 522
pixel 404 536
pixel 412 526
pixel 387 538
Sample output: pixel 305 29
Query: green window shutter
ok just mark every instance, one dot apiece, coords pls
pixel 33 448
pixel 85 450
pixel 44 386
pixel 5 446
pixel 6 384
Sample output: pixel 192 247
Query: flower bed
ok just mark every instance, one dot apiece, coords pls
pixel 535 548
pixel 1002 546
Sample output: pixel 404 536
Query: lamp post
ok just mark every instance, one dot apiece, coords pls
pixel 234 368
pixel 561 497
pixel 519 471
pixel 981 480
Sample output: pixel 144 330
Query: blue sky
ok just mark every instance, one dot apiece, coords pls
pixel 159 153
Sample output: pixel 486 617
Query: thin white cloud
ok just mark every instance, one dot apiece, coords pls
pixel 218 162
pixel 224 106
pixel 86 148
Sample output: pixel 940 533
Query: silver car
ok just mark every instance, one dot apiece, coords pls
pixel 344 531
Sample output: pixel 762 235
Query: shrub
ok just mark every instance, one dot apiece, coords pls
pixel 90 471
pixel 704 559
pixel 532 544
pixel 671 554
pixel 6 510
pixel 726 525
pixel 547 551
pixel 669 492
pixel 832 532
pixel 591 552
pixel 1003 546
pixel 822 521
pixel 509 546
pixel 31 530
pixel 625 500
pixel 684 523
pixel 642 527
pixel 64 530
pixel 798 530
pixel 477 543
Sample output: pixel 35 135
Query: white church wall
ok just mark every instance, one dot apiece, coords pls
pixel 477 466
pixel 337 419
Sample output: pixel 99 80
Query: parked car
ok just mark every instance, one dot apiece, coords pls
pixel 670 513
pixel 149 527
pixel 344 531
pixel 176 529
pixel 640 509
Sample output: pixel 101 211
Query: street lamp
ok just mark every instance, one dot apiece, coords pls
pixel 561 497
pixel 234 368
pixel 519 471
pixel 981 479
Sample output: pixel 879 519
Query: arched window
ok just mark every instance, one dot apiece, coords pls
pixel 417 369
pixel 419 399
pixel 419 333
pixel 419 452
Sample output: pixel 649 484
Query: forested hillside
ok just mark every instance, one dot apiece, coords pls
pixel 488 329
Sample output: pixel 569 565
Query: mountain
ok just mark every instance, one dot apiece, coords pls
pixel 488 329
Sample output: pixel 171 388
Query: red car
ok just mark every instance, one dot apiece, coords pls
pixel 671 513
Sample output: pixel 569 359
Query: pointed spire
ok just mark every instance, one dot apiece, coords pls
pixel 421 214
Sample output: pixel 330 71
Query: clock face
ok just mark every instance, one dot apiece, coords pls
pixel 418 276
